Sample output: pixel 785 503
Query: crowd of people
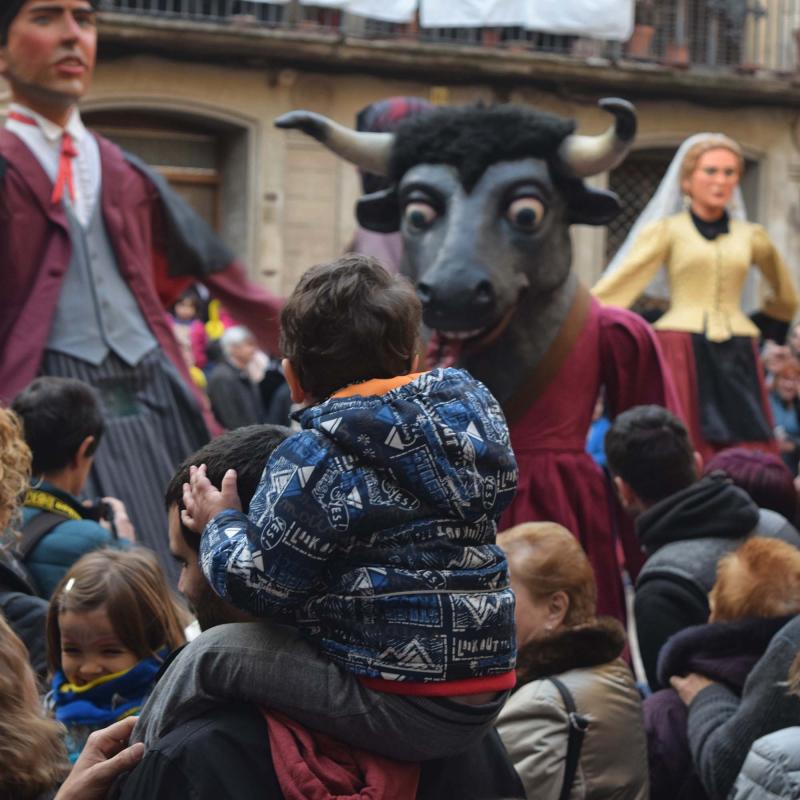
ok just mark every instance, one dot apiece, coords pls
pixel 351 639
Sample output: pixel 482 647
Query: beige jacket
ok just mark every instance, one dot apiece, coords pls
pixel 533 727
pixel 705 277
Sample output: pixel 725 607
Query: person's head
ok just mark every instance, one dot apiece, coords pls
pixel 761 578
pixel 33 758
pixel 786 381
pixel 348 321
pixel 187 306
pixel 111 609
pixel 650 456
pixel 63 424
pixel 47 52
pixel 710 172
pixel 552 579
pixel 238 346
pixel 15 466
pixel 774 356
pixel 246 450
pixel 793 340
pixel 764 476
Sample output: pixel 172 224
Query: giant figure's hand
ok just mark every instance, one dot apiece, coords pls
pixel 202 500
pixel 105 755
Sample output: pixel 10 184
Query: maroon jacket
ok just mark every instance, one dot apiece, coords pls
pixel 35 252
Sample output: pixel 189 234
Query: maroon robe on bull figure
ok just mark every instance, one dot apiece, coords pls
pixel 484 198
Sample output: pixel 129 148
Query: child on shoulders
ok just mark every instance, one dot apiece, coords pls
pixel 372 531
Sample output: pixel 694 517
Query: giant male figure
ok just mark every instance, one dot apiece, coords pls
pixel 484 197
pixel 93 244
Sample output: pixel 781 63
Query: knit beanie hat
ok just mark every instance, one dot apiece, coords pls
pixel 10 8
pixel 767 480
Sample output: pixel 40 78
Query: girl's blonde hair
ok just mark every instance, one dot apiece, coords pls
pixel 713 142
pixel 32 754
pixel 761 578
pixel 547 558
pixel 15 467
pixel 131 586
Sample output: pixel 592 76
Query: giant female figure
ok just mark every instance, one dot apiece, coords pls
pixel 707 249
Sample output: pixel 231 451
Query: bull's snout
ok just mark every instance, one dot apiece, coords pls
pixel 457 305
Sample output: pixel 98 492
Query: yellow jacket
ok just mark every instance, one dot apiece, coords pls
pixel 705 277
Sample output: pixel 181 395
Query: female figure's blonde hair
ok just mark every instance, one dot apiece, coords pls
pixel 15 466
pixel 32 754
pixel 546 558
pixel 131 587
pixel 716 141
pixel 759 579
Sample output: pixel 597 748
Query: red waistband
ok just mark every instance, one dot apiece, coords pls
pixel 488 683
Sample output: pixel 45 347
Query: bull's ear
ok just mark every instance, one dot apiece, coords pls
pixel 593 207
pixel 379 211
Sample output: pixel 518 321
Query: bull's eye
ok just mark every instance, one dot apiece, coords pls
pixel 419 216
pixel 526 213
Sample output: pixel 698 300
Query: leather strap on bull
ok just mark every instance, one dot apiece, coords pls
pixel 551 362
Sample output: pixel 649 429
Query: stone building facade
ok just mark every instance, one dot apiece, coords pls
pixel 195 94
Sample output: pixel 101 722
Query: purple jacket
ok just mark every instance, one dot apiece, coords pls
pixel 722 651
pixel 35 252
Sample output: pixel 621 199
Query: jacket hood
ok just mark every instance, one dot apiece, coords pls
pixel 711 507
pixel 722 651
pixel 441 438
pixel 579 647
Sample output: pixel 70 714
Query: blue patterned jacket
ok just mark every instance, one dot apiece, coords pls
pixel 373 530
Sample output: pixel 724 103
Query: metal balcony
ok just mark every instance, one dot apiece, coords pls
pixel 748 37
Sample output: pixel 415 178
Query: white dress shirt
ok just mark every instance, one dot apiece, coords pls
pixel 44 141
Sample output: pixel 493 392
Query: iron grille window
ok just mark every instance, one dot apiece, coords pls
pixel 635 181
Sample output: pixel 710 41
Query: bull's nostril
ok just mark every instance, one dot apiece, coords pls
pixel 484 294
pixel 425 293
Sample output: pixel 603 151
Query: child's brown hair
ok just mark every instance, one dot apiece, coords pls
pixel 349 321
pixel 131 586
pixel 761 578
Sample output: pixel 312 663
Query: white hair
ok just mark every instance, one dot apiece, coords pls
pixel 237 334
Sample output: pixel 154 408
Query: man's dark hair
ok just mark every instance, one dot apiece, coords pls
pixel 10 10
pixel 246 450
pixel 349 321
pixel 649 448
pixel 57 415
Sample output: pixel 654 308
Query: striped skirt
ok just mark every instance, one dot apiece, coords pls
pixel 152 424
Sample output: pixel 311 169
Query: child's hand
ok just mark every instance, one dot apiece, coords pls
pixel 203 501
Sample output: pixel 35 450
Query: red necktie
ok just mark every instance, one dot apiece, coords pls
pixel 68 152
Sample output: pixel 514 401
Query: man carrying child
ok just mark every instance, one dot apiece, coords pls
pixel 371 535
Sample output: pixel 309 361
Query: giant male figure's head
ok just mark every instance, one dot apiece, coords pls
pixel 47 52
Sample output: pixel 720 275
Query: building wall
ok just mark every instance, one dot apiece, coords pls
pixel 295 203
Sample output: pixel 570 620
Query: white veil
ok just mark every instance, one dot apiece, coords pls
pixel 668 200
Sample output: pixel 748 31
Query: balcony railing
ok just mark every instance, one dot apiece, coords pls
pixel 747 36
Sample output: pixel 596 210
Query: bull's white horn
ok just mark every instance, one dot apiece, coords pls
pixel 370 151
pixel 591 155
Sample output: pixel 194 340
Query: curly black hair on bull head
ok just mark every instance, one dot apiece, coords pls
pixel 472 138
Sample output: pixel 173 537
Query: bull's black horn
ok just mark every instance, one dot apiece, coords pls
pixel 370 151
pixel 590 155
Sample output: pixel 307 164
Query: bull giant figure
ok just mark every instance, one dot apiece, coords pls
pixel 484 197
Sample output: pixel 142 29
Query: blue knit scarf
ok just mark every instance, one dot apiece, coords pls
pixel 107 699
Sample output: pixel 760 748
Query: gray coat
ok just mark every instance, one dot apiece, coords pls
pixel 533 724
pixel 771 770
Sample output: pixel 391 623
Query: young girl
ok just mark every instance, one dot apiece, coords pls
pixel 111 623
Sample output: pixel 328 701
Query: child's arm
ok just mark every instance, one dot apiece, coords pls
pixel 270 563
